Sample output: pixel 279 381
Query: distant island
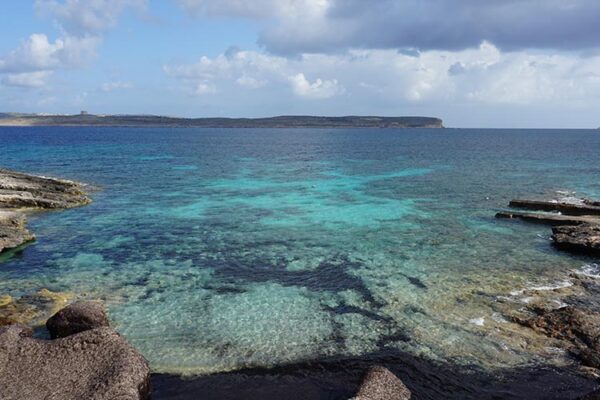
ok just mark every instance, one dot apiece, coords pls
pixel 85 119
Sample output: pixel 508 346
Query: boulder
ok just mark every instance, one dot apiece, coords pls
pixel 77 317
pixel 381 384
pixel 583 238
pixel 96 364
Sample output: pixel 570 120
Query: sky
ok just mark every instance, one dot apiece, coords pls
pixel 473 63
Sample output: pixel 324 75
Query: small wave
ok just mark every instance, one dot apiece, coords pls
pixel 558 285
pixel 477 321
pixel 591 270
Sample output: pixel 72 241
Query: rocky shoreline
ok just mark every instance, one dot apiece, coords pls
pixel 21 193
pixel 86 357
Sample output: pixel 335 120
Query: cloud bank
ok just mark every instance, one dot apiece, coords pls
pixel 327 26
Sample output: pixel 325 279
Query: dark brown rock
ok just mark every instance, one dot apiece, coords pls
pixel 97 364
pixel 584 238
pixel 381 384
pixel 578 328
pixel 77 317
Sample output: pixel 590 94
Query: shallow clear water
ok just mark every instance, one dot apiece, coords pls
pixel 219 249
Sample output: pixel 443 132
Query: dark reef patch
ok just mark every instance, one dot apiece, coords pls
pixel 331 275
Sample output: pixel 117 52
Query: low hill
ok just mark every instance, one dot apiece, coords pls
pixel 14 119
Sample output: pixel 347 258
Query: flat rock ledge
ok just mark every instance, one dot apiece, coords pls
pixel 584 238
pixel 13 232
pixel 381 384
pixel 20 192
pixel 96 364
pixel 575 226
pixel 577 328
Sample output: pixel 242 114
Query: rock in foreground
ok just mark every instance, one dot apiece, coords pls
pixel 77 317
pixel 584 238
pixel 95 364
pixel 381 384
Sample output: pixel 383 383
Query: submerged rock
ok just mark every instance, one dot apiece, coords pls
pixel 31 309
pixel 96 364
pixel 579 328
pixel 77 317
pixel 584 238
pixel 381 384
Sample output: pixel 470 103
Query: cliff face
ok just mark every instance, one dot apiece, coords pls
pixel 273 122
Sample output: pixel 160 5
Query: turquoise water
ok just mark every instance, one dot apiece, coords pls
pixel 222 249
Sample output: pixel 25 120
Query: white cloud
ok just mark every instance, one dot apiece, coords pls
pixel 387 77
pixel 27 79
pixel 87 17
pixel 111 86
pixel 34 60
pixel 319 89
pixel 250 82
pixel 205 88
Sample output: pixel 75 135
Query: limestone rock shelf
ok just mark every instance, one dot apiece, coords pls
pixel 22 192
pixel 576 226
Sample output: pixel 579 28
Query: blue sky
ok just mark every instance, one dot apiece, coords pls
pixel 494 63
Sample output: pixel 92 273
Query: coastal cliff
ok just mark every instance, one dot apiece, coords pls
pixel 16 119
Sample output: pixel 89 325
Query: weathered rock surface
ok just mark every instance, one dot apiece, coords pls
pixel 94 363
pixel 77 317
pixel 586 208
pixel 13 232
pixel 584 238
pixel 21 191
pixel 578 328
pixel 548 218
pixel 576 227
pixel 381 384
pixel 18 190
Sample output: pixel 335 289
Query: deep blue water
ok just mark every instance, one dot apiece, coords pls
pixel 219 249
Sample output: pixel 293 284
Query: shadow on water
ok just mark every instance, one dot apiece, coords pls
pixel 339 379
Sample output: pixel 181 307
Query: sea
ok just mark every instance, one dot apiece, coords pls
pixel 278 250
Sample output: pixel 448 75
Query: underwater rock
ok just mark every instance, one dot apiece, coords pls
pixel 381 384
pixel 33 308
pixel 12 230
pixel 95 364
pixel 584 238
pixel 578 327
pixel 77 317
